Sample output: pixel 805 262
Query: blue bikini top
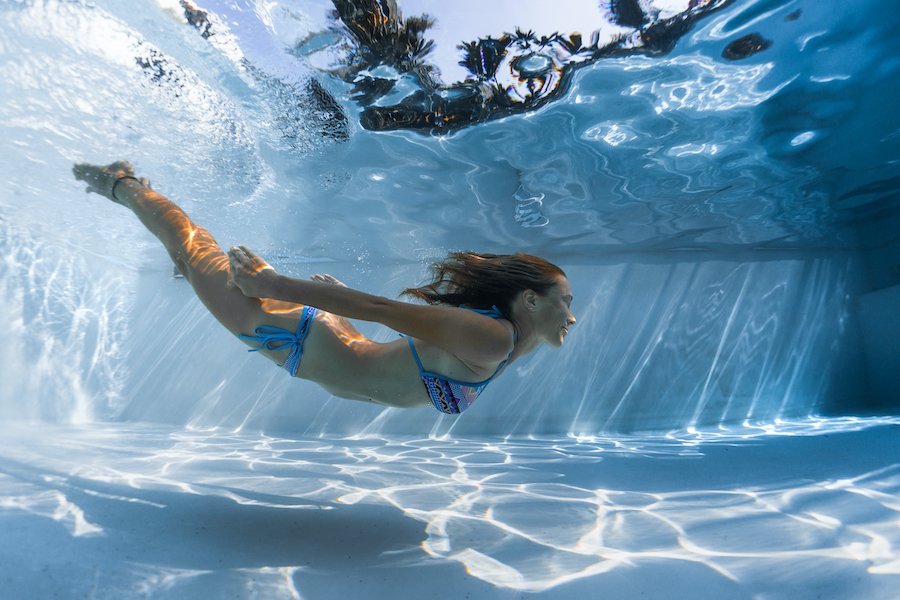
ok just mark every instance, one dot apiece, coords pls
pixel 449 395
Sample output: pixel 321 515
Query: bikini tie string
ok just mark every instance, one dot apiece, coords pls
pixel 271 338
pixel 276 338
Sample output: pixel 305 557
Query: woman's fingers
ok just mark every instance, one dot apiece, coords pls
pixel 88 174
pixel 239 255
pixel 244 272
pixel 243 256
pixel 238 271
pixel 243 253
pixel 326 278
pixel 247 252
pixel 78 171
pixel 122 167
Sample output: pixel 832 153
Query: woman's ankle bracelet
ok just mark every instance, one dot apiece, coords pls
pixel 120 179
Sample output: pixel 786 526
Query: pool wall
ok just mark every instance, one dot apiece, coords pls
pixel 878 310
pixel 659 345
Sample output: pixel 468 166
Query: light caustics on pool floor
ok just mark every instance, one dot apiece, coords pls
pixel 742 511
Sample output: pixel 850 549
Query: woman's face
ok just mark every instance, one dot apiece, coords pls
pixel 554 313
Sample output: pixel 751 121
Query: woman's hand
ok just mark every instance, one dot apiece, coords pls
pixel 326 278
pixel 250 273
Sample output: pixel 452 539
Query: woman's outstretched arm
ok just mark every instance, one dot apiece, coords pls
pixel 466 334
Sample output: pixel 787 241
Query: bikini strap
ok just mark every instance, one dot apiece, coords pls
pixel 492 312
pixel 500 366
pixel 415 355
pixel 495 313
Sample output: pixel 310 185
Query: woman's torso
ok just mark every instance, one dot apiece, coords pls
pixel 358 368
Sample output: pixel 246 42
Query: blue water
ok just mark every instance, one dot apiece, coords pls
pixel 718 218
pixel 730 232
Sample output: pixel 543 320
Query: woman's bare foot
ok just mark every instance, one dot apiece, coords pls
pixel 102 178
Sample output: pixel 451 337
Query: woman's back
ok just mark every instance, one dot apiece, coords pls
pixel 354 367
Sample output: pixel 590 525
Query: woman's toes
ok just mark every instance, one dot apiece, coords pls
pixel 122 165
pixel 82 171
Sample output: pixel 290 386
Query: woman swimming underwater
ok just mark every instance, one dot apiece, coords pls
pixel 483 311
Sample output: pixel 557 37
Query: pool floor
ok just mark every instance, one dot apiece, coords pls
pixel 136 511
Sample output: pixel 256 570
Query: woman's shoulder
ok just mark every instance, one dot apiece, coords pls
pixel 473 336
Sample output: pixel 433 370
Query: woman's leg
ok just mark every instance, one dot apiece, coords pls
pixel 193 250
pixel 206 267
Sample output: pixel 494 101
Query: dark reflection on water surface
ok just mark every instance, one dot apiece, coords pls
pixel 512 71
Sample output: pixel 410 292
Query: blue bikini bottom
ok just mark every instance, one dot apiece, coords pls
pixel 276 338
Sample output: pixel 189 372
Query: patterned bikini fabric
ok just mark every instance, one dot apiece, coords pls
pixel 449 395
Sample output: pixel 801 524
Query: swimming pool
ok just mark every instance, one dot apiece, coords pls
pixel 728 224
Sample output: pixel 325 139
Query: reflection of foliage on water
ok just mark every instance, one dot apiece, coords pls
pixel 384 36
pixel 522 68
pixel 745 46
pixel 512 73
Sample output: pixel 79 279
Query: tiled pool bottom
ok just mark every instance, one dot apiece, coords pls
pixel 807 510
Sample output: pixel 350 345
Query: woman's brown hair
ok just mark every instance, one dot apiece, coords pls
pixel 485 280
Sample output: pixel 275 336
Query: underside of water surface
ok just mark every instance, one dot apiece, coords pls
pixel 719 180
